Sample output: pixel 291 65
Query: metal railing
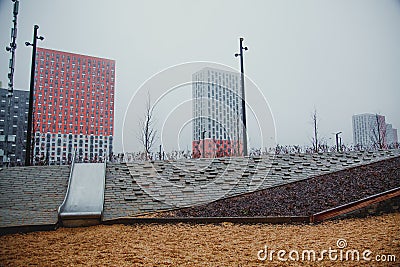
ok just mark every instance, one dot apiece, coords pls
pixel 355 205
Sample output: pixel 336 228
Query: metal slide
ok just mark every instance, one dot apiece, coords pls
pixel 83 202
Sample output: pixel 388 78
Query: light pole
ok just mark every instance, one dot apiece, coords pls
pixel 243 95
pixel 12 48
pixel 31 90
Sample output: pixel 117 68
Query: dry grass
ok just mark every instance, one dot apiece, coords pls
pixel 197 245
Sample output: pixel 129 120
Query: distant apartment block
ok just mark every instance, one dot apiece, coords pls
pixel 73 107
pixel 371 131
pixel 217 124
pixel 13 126
pixel 391 136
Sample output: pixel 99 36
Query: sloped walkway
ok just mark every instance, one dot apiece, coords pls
pixel 140 188
pixel 31 195
pixel 306 197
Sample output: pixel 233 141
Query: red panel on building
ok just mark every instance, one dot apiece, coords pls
pixel 74 96
pixel 214 148
pixel 76 90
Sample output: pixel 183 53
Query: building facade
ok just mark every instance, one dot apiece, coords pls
pixel 391 136
pixel 13 127
pixel 73 107
pixel 217 124
pixel 369 131
pixel 395 138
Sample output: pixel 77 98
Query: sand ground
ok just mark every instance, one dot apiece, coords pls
pixel 202 245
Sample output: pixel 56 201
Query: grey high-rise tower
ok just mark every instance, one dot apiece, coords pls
pixel 217 125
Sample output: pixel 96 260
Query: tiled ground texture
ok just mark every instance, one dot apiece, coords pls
pixel 31 195
pixel 139 188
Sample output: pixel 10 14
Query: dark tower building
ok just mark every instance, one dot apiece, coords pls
pixel 13 126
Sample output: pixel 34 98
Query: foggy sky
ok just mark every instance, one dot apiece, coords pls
pixel 340 57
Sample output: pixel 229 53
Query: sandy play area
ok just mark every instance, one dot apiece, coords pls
pixel 205 245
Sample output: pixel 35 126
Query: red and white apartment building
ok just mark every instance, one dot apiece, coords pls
pixel 73 107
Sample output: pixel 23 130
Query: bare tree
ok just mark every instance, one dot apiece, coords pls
pixel 378 133
pixel 148 134
pixel 314 139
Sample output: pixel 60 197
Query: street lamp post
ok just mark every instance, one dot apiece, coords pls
pixel 12 48
pixel 28 149
pixel 240 54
